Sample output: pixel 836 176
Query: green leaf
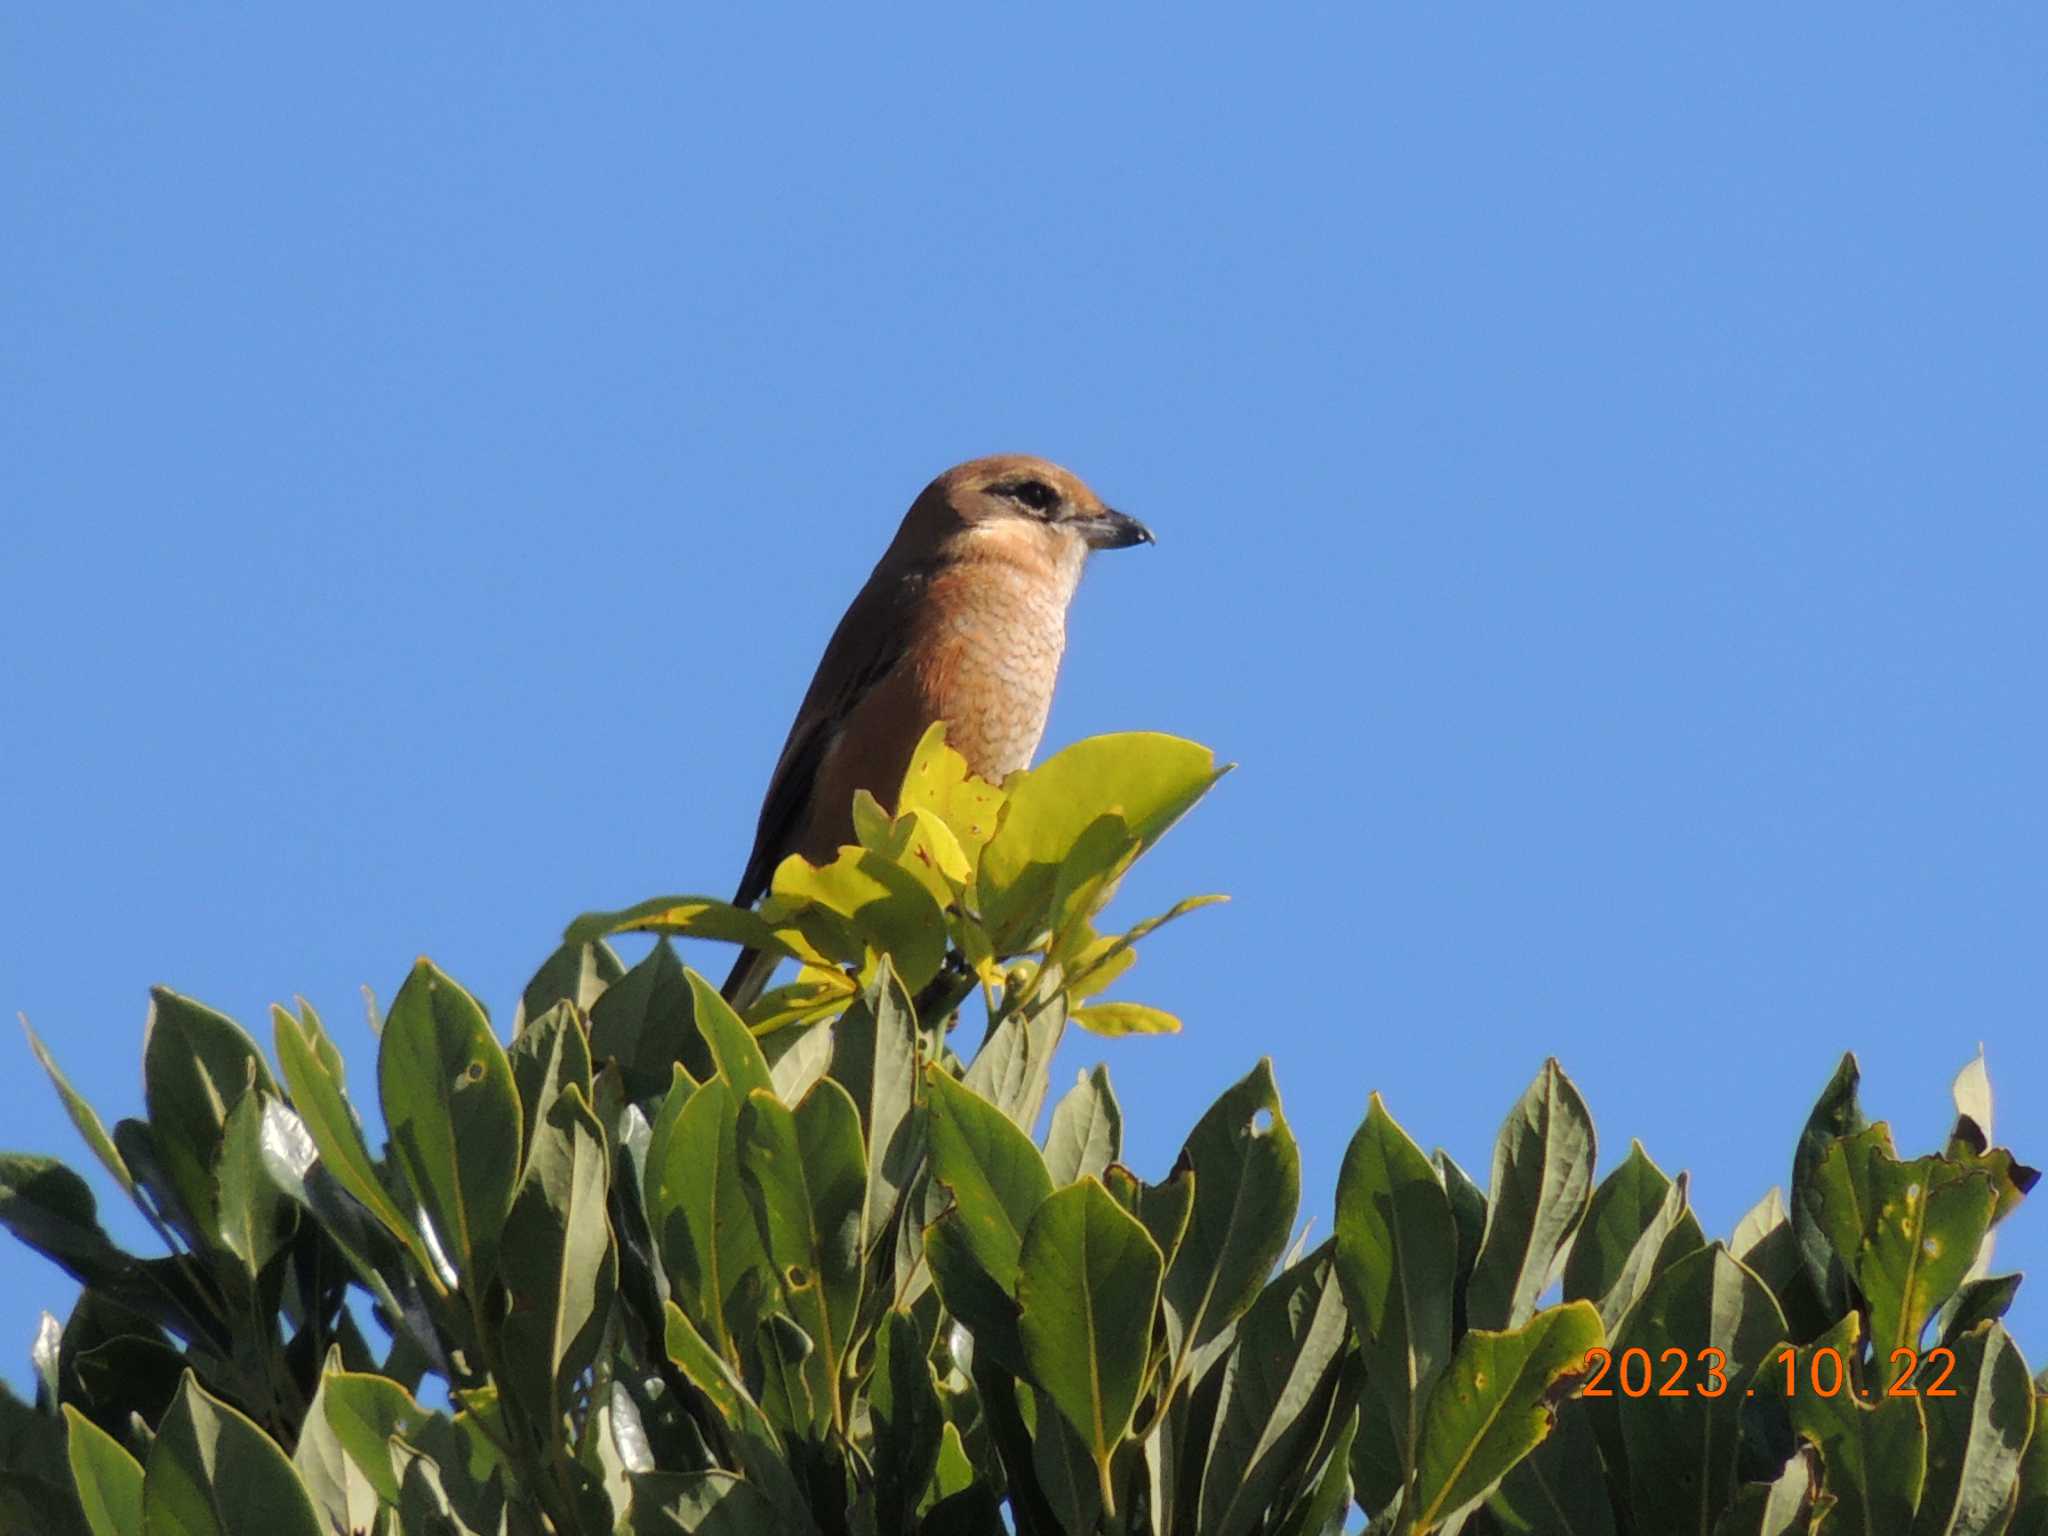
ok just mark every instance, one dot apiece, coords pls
pixel 212 1472
pixel 1837 1114
pixel 1397 1249
pixel 1908 1232
pixel 342 1493
pixel 108 1479
pixel 699 1503
pixel 50 1208
pixel 757 1446
pixel 1636 1225
pixel 1247 1188
pixel 559 1266
pixel 1011 1068
pixel 2031 1517
pixel 1542 1179
pixel 876 1054
pixel 697 917
pixel 1147 779
pixel 1088 1281
pixel 903 1406
pixel 702 1220
pixel 1975 1439
pixel 1164 1208
pixel 1281 1371
pixel 1087 1131
pixel 1681 1450
pixel 646 1022
pixel 1873 1450
pixel 321 1107
pixel 807 1176
pixel 1495 1403
pixel 734 1051
pixel 196 1064
pixel 576 973
pixel 994 1173
pixel 453 1115
pixel 364 1412
pixel 83 1116
pixel 1557 1489
pixel 256 1217
pixel 1780 1508
pixel 550 1053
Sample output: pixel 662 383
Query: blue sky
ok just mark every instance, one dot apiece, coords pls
pixel 1598 459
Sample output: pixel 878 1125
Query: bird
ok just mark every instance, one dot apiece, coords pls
pixel 964 619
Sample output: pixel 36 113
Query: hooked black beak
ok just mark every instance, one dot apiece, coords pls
pixel 1114 530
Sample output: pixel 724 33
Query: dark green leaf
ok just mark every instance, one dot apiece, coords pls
pixel 647 1022
pixel 1976 1437
pixel 698 1503
pixel 1636 1224
pixel 1681 1450
pixel 807 1178
pixel 876 1055
pixel 1087 1286
pixel 1557 1490
pixel 214 1473
pixel 1281 1371
pixel 453 1115
pixel 1397 1249
pixel 1542 1178
pixel 1835 1115
pixel 698 1208
pixel 551 1053
pixel 1873 1449
pixel 576 974
pixel 196 1065
pixel 559 1266
pixel 1247 1186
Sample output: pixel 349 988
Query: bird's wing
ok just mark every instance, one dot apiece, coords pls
pixel 871 639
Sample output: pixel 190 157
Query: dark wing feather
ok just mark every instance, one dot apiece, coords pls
pixel 871 639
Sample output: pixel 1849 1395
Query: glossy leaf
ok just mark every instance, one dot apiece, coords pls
pixel 559 1266
pixel 1147 779
pixel 576 974
pixel 196 1065
pixel 1088 1281
pixel 453 1114
pixel 734 1051
pixel 212 1472
pixel 807 1177
pixel 108 1479
pixel 702 1219
pixel 1636 1224
pixel 1557 1489
pixel 995 1175
pixel 322 1108
pixel 877 1059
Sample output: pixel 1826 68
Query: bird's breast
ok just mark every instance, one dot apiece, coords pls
pixel 992 659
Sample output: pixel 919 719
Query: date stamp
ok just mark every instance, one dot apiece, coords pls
pixel 1704 1373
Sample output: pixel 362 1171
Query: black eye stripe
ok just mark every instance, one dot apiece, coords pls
pixel 1035 494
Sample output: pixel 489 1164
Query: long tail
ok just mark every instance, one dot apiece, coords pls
pixel 749 978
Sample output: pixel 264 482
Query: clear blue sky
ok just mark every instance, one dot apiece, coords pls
pixel 1600 465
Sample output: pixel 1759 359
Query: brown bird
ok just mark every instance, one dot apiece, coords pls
pixel 963 620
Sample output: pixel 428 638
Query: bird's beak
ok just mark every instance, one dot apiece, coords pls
pixel 1113 530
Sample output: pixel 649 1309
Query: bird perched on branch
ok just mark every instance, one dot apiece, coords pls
pixel 963 620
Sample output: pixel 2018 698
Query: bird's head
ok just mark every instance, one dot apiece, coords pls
pixel 1026 505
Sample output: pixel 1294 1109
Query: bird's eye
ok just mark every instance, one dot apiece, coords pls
pixel 1035 494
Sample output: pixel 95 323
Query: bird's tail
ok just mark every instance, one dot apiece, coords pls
pixel 749 978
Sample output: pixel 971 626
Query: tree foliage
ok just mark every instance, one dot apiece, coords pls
pixel 651 1266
